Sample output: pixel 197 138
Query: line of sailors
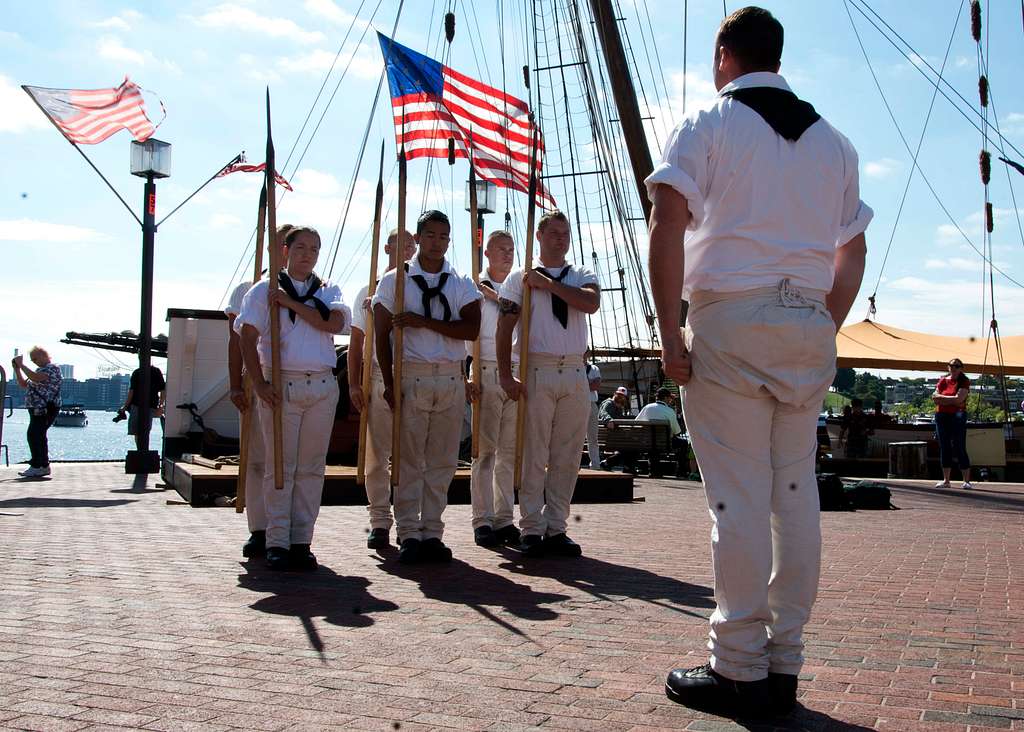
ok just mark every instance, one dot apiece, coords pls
pixel 444 313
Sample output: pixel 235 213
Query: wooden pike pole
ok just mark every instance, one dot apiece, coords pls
pixel 275 312
pixel 364 414
pixel 396 334
pixel 524 316
pixel 475 252
pixel 243 442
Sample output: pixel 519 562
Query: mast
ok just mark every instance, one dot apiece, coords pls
pixel 625 97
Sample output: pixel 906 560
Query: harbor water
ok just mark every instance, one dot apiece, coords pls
pixel 101 439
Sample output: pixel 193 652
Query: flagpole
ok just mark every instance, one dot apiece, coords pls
pixel 237 159
pixel 397 354
pixel 86 157
pixel 243 440
pixel 371 288
pixel 475 267
pixel 524 316
pixel 275 312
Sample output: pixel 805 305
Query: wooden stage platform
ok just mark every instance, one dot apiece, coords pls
pixel 199 485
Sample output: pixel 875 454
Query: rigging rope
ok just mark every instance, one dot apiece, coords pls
pixel 903 138
pixel 913 166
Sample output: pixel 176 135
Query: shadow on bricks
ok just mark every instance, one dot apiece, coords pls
pixel 801 719
pixel 607 581
pixel 337 599
pixel 42 502
pixel 463 584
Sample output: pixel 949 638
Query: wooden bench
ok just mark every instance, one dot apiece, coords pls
pixel 650 439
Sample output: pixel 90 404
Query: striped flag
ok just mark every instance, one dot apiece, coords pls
pixel 90 116
pixel 244 167
pixel 433 103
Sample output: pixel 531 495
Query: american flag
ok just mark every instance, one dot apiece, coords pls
pixel 244 167
pixel 90 116
pixel 433 103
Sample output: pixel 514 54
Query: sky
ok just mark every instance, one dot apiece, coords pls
pixel 70 253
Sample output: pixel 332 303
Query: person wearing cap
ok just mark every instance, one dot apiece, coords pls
pixel 255 510
pixel 593 383
pixel 491 481
pixel 442 312
pixel 616 407
pixel 311 313
pixel 757 222
pixel 661 410
pixel 557 400
pixel 378 424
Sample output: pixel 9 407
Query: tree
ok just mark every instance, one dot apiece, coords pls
pixel 843 383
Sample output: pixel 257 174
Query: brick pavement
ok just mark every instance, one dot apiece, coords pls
pixel 119 611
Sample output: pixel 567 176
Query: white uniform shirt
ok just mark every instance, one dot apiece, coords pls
pixel 421 344
pixel 359 317
pixel 489 312
pixel 593 375
pixel 235 301
pixel 660 412
pixel 547 336
pixel 303 347
pixel 763 208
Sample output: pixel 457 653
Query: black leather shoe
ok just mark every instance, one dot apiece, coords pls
pixel 704 689
pixel 484 536
pixel 410 551
pixel 508 535
pixel 256 546
pixel 434 550
pixel 302 558
pixel 783 691
pixel 277 558
pixel 562 546
pixel 532 545
pixel 378 539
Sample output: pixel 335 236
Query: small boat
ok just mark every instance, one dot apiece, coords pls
pixel 71 415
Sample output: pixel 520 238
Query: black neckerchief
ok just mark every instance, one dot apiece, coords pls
pixel 559 307
pixel 429 293
pixel 787 114
pixel 285 282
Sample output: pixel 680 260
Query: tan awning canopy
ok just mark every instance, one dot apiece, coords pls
pixel 868 344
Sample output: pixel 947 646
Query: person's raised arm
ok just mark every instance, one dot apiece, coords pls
pixel 670 215
pixel 586 298
pixel 849 265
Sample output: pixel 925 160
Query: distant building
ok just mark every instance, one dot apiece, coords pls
pixel 67 371
pixel 107 393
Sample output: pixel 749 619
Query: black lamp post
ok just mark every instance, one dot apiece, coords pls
pixel 486 202
pixel 150 160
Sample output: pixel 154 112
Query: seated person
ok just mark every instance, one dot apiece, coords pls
pixel 616 407
pixel 662 411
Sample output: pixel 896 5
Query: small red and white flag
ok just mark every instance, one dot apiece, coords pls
pixel 90 116
pixel 244 167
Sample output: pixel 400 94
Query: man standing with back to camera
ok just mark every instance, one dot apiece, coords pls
pixel 767 194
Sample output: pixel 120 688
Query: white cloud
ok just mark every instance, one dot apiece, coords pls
pixel 328 10
pixel 236 17
pixel 958 264
pixel 223 221
pixel 1013 124
pixel 314 62
pixel 915 301
pixel 256 70
pixel 20 114
pixel 112 49
pixel 365 63
pixel 884 168
pixel 40 231
pixel 123 21
pixel 315 183
pixel 9 37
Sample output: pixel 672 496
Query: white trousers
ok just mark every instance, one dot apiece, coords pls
pixel 491 489
pixel 307 418
pixel 433 405
pixel 378 455
pixel 255 508
pixel 557 408
pixel 762 362
pixel 593 448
